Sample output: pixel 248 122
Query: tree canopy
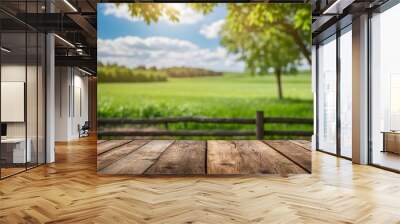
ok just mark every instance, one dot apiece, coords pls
pixel 151 12
pixel 267 37
pixel 277 21
pixel 291 19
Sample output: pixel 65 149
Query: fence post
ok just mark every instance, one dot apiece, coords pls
pixel 260 125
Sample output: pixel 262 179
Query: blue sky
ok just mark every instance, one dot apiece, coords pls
pixel 112 27
pixel 192 42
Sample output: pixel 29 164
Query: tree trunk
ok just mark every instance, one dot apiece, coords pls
pixel 278 74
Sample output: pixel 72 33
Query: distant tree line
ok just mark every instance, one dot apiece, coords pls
pixel 118 73
pixel 181 72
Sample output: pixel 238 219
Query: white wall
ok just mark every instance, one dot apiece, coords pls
pixel 80 96
pixel 61 103
pixel 33 126
pixel 70 83
pixel 13 100
pixel 14 73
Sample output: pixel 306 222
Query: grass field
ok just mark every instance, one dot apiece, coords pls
pixel 231 95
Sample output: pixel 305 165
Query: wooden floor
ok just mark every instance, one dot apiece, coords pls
pixel 10 171
pixel 70 191
pixel 216 157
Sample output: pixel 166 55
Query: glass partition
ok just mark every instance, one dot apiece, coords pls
pixel 13 109
pixel 22 88
pixel 346 92
pixel 385 89
pixel 327 95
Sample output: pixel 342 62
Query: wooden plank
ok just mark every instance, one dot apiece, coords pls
pixel 101 141
pixel 222 158
pixel 303 143
pixel 259 158
pixel 115 154
pixel 137 162
pixel 104 147
pixel 181 158
pixel 295 153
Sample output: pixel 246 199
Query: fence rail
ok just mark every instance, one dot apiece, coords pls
pixel 275 120
pixel 259 131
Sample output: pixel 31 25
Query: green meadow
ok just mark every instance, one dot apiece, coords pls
pixel 227 96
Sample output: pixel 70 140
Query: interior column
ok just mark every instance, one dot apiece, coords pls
pixel 50 92
pixel 360 90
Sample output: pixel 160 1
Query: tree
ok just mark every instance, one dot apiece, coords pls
pixel 262 48
pixel 293 20
pixel 142 67
pixel 262 53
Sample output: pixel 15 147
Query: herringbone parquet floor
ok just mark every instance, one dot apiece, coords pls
pixel 70 191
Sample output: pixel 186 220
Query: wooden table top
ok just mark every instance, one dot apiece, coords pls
pixel 214 157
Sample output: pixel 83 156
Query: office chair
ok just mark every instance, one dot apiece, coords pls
pixel 84 130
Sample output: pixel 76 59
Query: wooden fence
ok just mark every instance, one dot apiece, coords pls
pixel 259 122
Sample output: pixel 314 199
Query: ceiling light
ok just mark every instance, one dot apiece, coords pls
pixel 79 51
pixel 84 71
pixel 70 5
pixel 5 50
pixel 337 7
pixel 331 7
pixel 64 40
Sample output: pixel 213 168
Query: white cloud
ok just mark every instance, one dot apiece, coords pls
pixel 120 12
pixel 163 52
pixel 211 31
pixel 186 14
